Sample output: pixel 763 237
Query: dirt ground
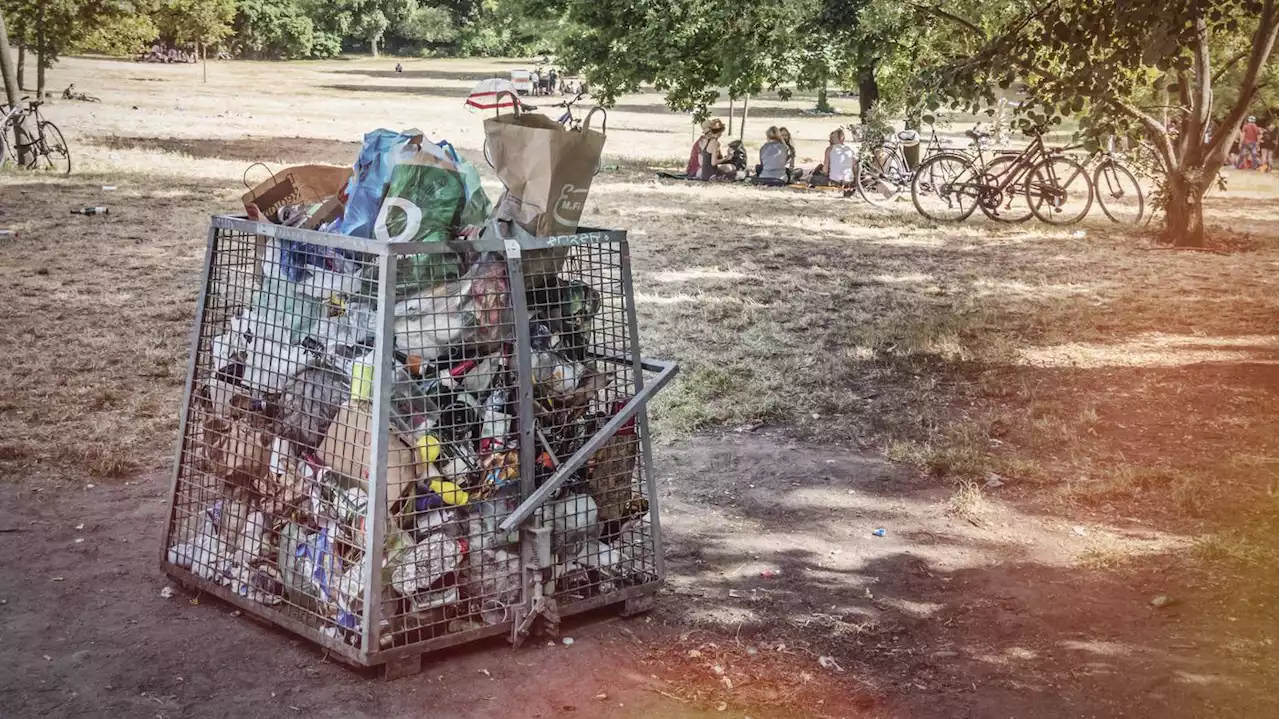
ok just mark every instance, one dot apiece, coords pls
pixel 1054 427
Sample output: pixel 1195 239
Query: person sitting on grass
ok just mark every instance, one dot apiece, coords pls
pixel 772 169
pixel 784 136
pixel 837 162
pixel 706 160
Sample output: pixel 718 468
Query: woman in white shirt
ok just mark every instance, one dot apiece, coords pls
pixel 837 162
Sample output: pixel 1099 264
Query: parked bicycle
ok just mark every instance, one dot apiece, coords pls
pixel 1116 188
pixel 883 172
pixel 30 141
pixel 1012 187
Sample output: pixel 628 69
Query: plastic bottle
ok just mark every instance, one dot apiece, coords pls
pixel 92 211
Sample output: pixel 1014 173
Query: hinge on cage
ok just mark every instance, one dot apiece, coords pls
pixel 535 549
pixel 513 248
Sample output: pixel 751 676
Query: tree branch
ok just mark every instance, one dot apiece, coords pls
pixel 1264 39
pixel 1204 88
pixel 1226 66
pixel 966 24
pixel 1155 129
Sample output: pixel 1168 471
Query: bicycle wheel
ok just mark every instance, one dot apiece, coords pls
pixel 1059 191
pixel 882 176
pixel 1010 203
pixel 1119 194
pixel 53 150
pixel 946 188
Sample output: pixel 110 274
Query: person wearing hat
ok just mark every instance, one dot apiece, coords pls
pixel 1249 133
pixel 706 159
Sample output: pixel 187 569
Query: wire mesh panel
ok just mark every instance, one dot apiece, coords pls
pixel 583 374
pixel 403 421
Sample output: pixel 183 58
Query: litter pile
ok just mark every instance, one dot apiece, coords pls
pixel 282 431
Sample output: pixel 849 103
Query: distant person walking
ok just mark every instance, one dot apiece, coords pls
pixel 1249 134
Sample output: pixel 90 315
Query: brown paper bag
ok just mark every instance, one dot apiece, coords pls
pixel 346 451
pixel 546 169
pixel 234 451
pixel 304 183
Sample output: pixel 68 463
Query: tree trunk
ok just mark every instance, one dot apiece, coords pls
pixel 204 60
pixel 41 53
pixel 823 105
pixel 373 45
pixel 868 90
pixel 11 91
pixel 746 106
pixel 1184 213
pixel 730 116
pixel 22 66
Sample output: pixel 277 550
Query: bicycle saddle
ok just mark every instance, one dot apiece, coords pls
pixel 976 134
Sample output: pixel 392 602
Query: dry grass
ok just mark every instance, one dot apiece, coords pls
pixel 1111 374
pixel 968 503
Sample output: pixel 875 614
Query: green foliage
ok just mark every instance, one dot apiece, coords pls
pixel 691 51
pixel 195 21
pixel 120 36
pixel 429 25
pixel 275 29
pixel 66 22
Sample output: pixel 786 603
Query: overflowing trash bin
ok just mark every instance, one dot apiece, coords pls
pixel 416 425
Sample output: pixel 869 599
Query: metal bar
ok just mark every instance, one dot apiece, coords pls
pixel 276 617
pixel 524 398
pixel 206 280
pixel 360 244
pixel 646 453
pixel 383 377
pixel 442 642
pixel 586 237
pixel 571 465
pixel 604 600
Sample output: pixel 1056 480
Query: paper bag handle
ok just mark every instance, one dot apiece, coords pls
pixel 604 122
pixel 515 103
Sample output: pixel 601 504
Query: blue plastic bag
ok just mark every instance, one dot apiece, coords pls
pixel 368 183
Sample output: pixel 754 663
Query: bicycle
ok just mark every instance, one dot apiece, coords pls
pixel 883 174
pixel 1116 187
pixel 1057 189
pixel 44 143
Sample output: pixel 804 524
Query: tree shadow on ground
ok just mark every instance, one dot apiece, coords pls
pixel 302 150
pixel 451 75
pixel 422 90
pixel 954 618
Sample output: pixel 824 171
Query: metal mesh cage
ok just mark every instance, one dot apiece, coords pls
pixel 471 414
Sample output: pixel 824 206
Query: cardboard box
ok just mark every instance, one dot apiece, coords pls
pixel 346 450
pixel 304 183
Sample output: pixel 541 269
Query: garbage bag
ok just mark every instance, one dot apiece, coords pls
pixel 431 197
pixel 367 186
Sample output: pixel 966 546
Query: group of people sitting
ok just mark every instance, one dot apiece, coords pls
pixel 710 160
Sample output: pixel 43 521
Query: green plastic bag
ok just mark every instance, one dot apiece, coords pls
pixel 431 197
